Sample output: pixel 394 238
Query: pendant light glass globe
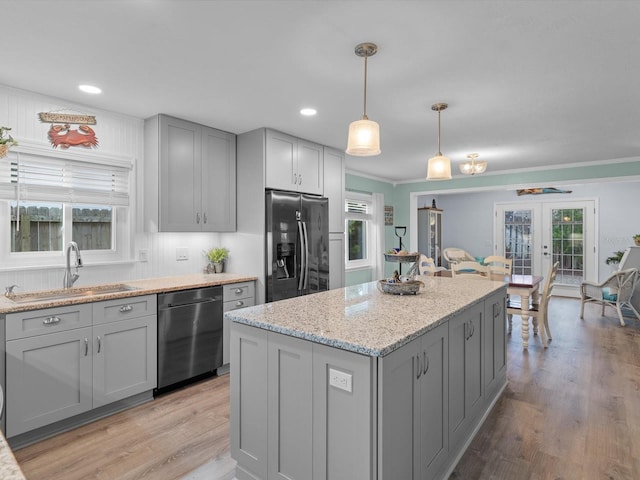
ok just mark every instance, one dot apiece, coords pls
pixel 439 167
pixel 364 134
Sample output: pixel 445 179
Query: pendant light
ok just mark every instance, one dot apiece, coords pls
pixel 439 167
pixel 472 166
pixel 364 134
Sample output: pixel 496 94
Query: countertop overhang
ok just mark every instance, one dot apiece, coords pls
pixel 140 287
pixel 364 320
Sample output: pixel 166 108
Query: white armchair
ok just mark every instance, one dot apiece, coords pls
pixel 616 291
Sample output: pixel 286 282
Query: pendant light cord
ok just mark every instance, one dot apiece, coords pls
pixel 364 111
pixel 439 152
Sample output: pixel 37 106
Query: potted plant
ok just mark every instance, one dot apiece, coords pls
pixel 6 141
pixel 636 239
pixel 615 258
pixel 216 257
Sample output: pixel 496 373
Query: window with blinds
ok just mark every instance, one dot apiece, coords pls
pixel 358 217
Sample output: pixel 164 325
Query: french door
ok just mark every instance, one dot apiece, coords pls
pixel 536 234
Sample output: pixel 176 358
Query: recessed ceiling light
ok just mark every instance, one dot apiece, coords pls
pixel 308 112
pixel 90 89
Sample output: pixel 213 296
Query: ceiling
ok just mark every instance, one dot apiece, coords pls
pixel 530 84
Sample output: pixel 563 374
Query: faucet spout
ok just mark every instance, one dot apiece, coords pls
pixel 70 278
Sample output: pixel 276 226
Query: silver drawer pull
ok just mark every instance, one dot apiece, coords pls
pixel 86 347
pixel 238 291
pixel 99 344
pixel 51 320
pixel 239 303
pixel 126 308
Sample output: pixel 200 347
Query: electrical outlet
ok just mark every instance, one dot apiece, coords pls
pixel 143 255
pixel 182 253
pixel 341 380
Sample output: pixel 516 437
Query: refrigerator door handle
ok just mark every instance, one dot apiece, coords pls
pixel 306 256
pixel 303 259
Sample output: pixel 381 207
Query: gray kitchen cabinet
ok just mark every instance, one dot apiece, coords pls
pixel 336 260
pixel 465 371
pixel 125 336
pixel 48 378
pixel 430 233
pixel 234 296
pixel 413 434
pixel 334 187
pixel 189 177
pixel 293 164
pixel 68 360
pixel 495 344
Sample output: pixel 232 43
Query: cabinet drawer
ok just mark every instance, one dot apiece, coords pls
pixel 239 303
pixel 234 291
pixel 50 320
pixel 123 308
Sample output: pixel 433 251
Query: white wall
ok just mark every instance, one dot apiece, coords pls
pixel 468 217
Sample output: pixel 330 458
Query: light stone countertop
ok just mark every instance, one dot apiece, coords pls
pixel 361 319
pixel 9 468
pixel 141 287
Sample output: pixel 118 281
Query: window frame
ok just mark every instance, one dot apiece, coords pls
pixel 368 218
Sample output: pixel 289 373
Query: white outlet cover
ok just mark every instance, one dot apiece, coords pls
pixel 341 380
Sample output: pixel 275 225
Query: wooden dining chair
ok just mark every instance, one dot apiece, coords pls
pixel 498 266
pixel 615 291
pixel 538 312
pixel 469 269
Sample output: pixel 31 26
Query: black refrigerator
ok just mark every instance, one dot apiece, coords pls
pixel 297 244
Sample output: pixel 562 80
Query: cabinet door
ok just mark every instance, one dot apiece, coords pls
pixel 495 347
pixel 218 181
pixel 336 260
pixel 290 408
pixel 249 411
pixel 281 161
pixel 465 371
pixel 180 175
pixel 48 379
pixel 333 165
pixel 309 167
pixel 226 324
pixel 125 355
pixel 432 446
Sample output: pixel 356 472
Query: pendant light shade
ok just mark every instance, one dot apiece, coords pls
pixel 364 134
pixel 439 167
pixel 473 167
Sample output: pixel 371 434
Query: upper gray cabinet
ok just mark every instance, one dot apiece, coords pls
pixel 334 187
pixel 189 177
pixel 293 164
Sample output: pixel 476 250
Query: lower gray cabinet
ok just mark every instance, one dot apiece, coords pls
pixel 69 371
pixel 234 296
pixel 465 372
pixel 495 344
pixel 413 431
pixel 48 379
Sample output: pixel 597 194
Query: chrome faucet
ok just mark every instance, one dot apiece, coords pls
pixel 70 278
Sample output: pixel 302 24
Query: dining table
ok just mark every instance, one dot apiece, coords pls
pixel 526 287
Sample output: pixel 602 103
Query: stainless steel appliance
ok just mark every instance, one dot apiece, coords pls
pixel 189 335
pixel 297 244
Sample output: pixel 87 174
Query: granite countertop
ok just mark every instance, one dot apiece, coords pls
pixel 9 468
pixel 139 287
pixel 361 319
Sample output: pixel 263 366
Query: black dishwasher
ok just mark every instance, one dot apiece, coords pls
pixel 189 335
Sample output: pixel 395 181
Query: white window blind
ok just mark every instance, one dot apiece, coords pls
pixel 42 178
pixel 358 209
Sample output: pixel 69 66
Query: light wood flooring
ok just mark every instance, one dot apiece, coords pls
pixel 569 412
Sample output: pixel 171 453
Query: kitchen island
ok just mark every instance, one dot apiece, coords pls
pixel 353 383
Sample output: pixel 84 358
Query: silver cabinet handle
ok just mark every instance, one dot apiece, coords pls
pixel 198 218
pixel 238 291
pixel 204 218
pixel 426 363
pixel 126 308
pixel 299 179
pixel 51 320
pixel 99 344
pixel 419 370
pixel 295 178
pixel 86 346
pixel 239 303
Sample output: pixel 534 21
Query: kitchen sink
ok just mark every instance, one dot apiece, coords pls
pixel 63 294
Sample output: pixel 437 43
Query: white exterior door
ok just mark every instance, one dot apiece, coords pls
pixel 535 234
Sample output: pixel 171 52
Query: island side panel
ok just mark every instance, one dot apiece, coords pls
pixel 249 401
pixel 344 422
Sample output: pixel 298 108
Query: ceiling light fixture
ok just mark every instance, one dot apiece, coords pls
pixel 308 112
pixel 439 167
pixel 472 167
pixel 90 89
pixel 364 134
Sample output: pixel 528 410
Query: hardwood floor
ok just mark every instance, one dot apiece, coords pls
pixel 569 412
